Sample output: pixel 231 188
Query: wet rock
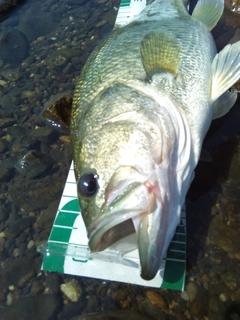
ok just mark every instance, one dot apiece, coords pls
pixel 230 280
pixel 199 308
pixel 92 304
pixel 6 5
pixel 3 145
pixel 20 225
pixel 37 287
pixel 71 310
pixel 11 74
pixel 220 231
pixel 113 315
pixel 152 311
pixel 57 155
pixel 35 23
pixel 5 174
pixel 236 87
pixel 71 290
pixel 45 134
pixel 47 216
pixel 37 194
pixel 156 299
pixel 192 290
pixel 33 164
pixel 57 110
pixel 231 15
pixel 52 281
pixel 13 46
pixel 18 271
pixel 4 123
pixel 55 60
pixel 40 307
pixel 184 295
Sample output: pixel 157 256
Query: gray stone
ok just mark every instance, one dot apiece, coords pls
pixel 33 164
pixel 3 145
pixel 40 307
pixel 18 271
pixel 47 216
pixel 5 174
pixel 20 225
pixel 14 46
pixel 192 290
pixel 114 315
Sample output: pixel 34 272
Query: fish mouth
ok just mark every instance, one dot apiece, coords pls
pixel 149 219
pixel 114 222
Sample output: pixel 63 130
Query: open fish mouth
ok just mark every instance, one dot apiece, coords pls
pixel 114 222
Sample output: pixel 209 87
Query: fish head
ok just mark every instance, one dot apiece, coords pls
pixel 126 174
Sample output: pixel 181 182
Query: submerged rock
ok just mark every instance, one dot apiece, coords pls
pixel 33 164
pixel 231 15
pixel 40 307
pixel 13 46
pixel 6 5
pixel 112 315
pixel 72 290
pixel 57 110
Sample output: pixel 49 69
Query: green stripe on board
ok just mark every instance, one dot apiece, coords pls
pixel 66 219
pixel 53 263
pixel 125 3
pixel 60 234
pixel 179 237
pixel 177 246
pixel 180 229
pixel 174 275
pixel 176 255
pixel 72 206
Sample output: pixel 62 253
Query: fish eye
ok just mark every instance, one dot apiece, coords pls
pixel 88 185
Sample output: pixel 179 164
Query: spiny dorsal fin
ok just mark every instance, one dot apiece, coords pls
pixel 208 12
pixel 160 53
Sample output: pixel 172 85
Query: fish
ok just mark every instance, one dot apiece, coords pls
pixel 142 106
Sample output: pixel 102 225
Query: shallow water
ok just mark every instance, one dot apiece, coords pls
pixel 43 46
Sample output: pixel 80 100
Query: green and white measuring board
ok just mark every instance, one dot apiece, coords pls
pixel 67 251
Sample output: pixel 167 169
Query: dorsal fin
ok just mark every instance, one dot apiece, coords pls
pixel 208 12
pixel 160 53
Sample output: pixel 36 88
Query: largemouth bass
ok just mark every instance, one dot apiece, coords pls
pixel 142 107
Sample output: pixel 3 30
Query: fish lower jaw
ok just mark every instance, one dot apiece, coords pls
pixel 112 229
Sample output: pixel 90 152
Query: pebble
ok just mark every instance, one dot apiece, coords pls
pixel 192 290
pixel 72 290
pixel 184 295
pixel 222 297
pixel 31 244
pixel 16 252
pixel 156 299
pixel 9 299
pixel 11 287
pixel 40 307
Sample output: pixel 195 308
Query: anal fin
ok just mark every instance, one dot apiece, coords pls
pixel 223 104
pixel 160 53
pixel 208 12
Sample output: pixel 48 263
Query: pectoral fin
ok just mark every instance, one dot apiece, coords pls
pixel 160 53
pixel 225 70
pixel 208 12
